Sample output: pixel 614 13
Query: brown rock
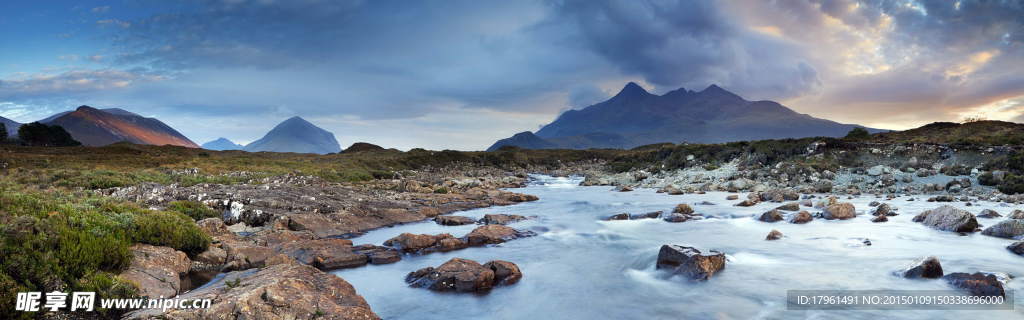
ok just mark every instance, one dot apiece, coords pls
pixel 502 219
pixel 771 216
pixel 746 203
pixel 928 267
pixel 732 197
pixel 840 211
pixel 977 284
pixel 801 217
pixel 408 242
pixel 774 235
pixel 881 218
pixel 451 244
pixel 157 271
pixel 948 218
pixel 1016 247
pixel 325 254
pixel 491 234
pixel 453 220
pixel 792 206
pixel 683 209
pixel 620 216
pixel 690 262
pixel 460 275
pixel 505 273
pixel 213 226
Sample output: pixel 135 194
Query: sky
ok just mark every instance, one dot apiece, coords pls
pixel 460 75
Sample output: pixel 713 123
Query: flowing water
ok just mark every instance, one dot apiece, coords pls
pixel 579 267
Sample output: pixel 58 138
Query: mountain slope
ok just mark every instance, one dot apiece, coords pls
pixel 635 117
pixel 94 127
pixel 11 125
pixel 222 144
pixel 296 135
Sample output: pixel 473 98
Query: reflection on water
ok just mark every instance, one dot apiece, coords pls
pixel 579 267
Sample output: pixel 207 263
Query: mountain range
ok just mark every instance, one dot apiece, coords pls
pixel 95 127
pixel 11 125
pixel 222 144
pixel 296 135
pixel 635 117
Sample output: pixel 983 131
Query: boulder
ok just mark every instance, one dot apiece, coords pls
pixel 1016 247
pixel 157 271
pixel 746 203
pixel 683 209
pixel 1010 229
pixel 451 244
pixel 501 219
pixel 801 217
pixel 928 267
pixel 948 218
pixel 677 217
pixel 505 273
pixel 325 254
pixel 619 216
pixel 377 254
pixel 463 275
pixel 1016 214
pixel 649 215
pixel 840 211
pixel 989 213
pixel 408 242
pixel 453 220
pixel 732 197
pixel 771 216
pixel 881 218
pixel 492 234
pixel 624 189
pixel 977 284
pixel 883 210
pixel 690 262
pixel 774 235
pixel 286 290
pixel 672 190
pixel 792 206
pixel 519 197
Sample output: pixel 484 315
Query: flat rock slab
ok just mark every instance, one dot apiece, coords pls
pixel 948 218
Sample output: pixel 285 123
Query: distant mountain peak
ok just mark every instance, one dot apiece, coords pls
pixel 716 90
pixel 222 144
pixel 296 135
pixel 631 90
pixel 95 127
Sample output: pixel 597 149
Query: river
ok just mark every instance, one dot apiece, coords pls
pixel 579 267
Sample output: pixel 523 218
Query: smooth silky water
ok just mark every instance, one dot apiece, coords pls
pixel 579 267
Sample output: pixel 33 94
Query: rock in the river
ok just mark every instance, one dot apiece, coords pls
pixel 501 219
pixel 881 218
pixel 325 254
pixel 883 210
pixel 286 290
pixel 948 218
pixel 493 234
pixel 618 216
pixel 1010 229
pixel 928 267
pixel 683 208
pixel 677 217
pixel 1016 247
pixel 690 262
pixel 801 217
pixel 841 211
pixel 505 273
pixel 732 197
pixel 774 235
pixel 1016 214
pixel 977 284
pixel 408 242
pixel 746 203
pixel 792 206
pixel 157 270
pixel 624 189
pixel 989 213
pixel 463 275
pixel 771 216
pixel 453 220
pixel 649 215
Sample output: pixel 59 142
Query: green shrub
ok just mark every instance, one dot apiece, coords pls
pixel 441 190
pixel 1012 184
pixel 171 229
pixel 987 179
pixel 196 210
pixel 858 133
pixel 38 134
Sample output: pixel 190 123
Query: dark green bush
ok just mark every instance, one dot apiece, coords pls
pixel 171 229
pixel 858 133
pixel 1012 184
pixel 196 210
pixel 987 179
pixel 38 134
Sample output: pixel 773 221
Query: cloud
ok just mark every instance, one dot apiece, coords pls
pixel 102 9
pixel 74 82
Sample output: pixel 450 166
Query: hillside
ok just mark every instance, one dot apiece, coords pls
pixel 296 135
pixel 94 127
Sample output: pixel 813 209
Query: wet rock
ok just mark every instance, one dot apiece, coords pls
pixel 801 217
pixel 771 216
pixel 493 234
pixel 883 210
pixel 519 197
pixel 463 275
pixel 501 219
pixel 779 195
pixel 881 218
pixel 928 267
pixel 619 216
pixel 451 244
pixel 408 242
pixel 453 220
pixel 1017 247
pixel 321 225
pixel 874 204
pixel 157 271
pixel 1010 229
pixel 324 254
pixel 977 284
pixel 948 218
pixel 774 235
pixel 677 217
pixel 840 211
pixel 792 206
pixel 690 262
pixel 624 189
pixel 649 215
pixel 1016 214
pixel 683 209
pixel 672 190
pixel 505 273
pixel 746 203
pixel 989 213
pixel 378 255
pixel 286 290
pixel 213 259
pixel 732 197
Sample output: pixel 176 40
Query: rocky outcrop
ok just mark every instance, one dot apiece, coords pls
pixel 801 217
pixel 413 243
pixel 501 219
pixel 453 220
pixel 494 234
pixel 774 235
pixel 325 254
pixel 1010 229
pixel 928 267
pixel 157 271
pixel 839 211
pixel 771 216
pixel 977 284
pixel 690 262
pixel 463 275
pixel 948 218
pixel 285 290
